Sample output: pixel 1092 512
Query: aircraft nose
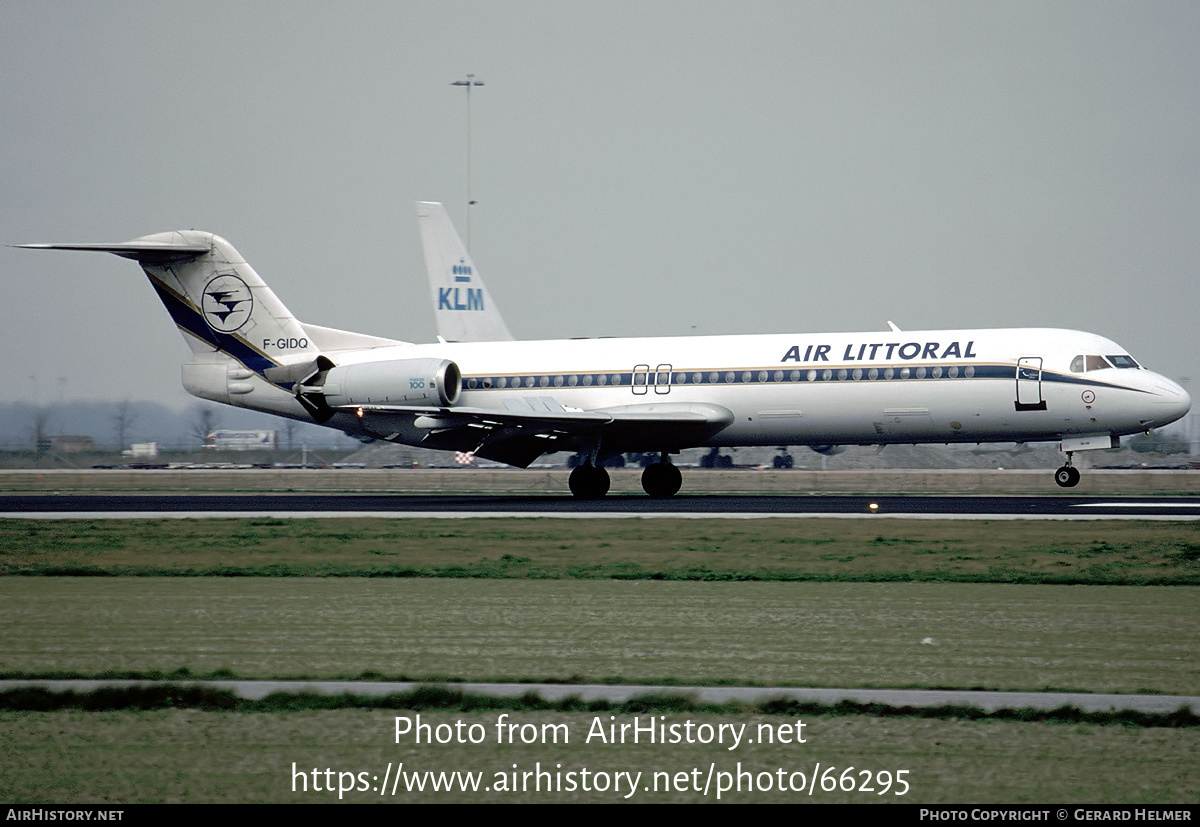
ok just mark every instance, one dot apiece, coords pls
pixel 1172 401
pixel 1185 403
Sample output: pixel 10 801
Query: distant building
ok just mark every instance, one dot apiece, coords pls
pixel 69 444
pixel 141 450
pixel 228 440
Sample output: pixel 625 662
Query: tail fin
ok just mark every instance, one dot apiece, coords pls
pixel 218 302
pixel 462 306
pixel 226 314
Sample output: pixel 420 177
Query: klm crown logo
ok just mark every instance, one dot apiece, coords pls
pixel 451 298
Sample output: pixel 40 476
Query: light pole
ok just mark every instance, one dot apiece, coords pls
pixel 469 82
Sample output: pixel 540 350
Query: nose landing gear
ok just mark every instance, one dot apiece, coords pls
pixel 1068 475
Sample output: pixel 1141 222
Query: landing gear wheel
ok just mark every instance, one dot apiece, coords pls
pixel 661 480
pixel 589 482
pixel 1067 476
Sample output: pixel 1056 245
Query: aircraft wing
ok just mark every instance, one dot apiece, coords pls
pixel 529 427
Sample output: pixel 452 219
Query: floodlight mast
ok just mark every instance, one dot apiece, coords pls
pixel 468 83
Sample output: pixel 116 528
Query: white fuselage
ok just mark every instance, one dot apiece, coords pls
pixel 514 400
pixel 847 388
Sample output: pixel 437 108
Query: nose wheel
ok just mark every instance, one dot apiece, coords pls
pixel 1068 475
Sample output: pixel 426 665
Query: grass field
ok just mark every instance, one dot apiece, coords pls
pixel 1090 638
pixel 1006 604
pixel 1119 552
pixel 195 756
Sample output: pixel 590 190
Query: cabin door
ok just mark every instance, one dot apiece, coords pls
pixel 644 379
pixel 662 379
pixel 1029 384
pixel 641 379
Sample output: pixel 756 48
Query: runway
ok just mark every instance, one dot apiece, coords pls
pixel 445 506
pixel 620 693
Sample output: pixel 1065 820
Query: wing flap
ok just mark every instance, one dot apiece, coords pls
pixel 444 419
pixel 518 437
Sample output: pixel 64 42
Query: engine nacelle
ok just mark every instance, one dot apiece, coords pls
pixel 434 382
pixel 828 450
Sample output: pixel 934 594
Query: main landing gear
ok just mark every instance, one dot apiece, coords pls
pixel 662 479
pixel 588 481
pixel 1068 475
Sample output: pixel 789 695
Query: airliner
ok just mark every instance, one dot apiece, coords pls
pixel 463 309
pixel 513 401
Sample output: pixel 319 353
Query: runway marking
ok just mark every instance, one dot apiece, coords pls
pixel 563 515
pixel 1137 505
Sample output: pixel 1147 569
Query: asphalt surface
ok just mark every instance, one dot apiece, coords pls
pixel 460 505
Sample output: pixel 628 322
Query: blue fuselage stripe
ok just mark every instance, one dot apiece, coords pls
pixel 770 376
pixel 191 321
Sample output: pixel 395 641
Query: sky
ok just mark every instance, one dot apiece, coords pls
pixel 641 168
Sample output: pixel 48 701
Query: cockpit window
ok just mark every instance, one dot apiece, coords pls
pixel 1094 361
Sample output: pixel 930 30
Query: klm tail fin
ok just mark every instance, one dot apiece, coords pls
pixel 462 306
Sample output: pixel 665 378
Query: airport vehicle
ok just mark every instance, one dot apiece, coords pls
pixel 514 401
pixel 225 439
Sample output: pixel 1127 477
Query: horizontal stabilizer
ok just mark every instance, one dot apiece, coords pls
pixel 149 252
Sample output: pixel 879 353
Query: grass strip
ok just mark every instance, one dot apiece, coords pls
pixel 188 676
pixel 806 634
pixel 176 696
pixel 800 550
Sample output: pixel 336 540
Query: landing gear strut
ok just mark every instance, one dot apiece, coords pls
pixel 589 482
pixel 662 479
pixel 1068 475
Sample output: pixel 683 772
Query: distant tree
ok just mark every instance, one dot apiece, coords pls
pixel 41 429
pixel 1156 443
pixel 290 428
pixel 204 422
pixel 123 421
